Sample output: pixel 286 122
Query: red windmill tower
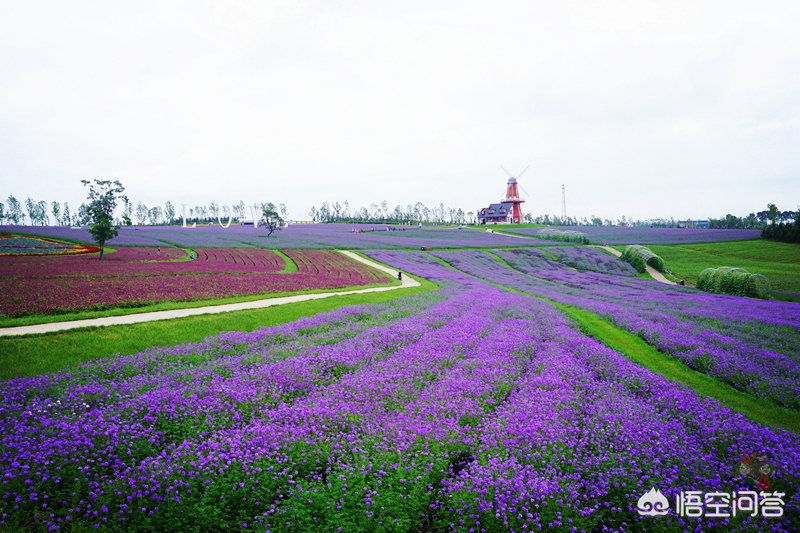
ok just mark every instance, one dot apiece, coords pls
pixel 512 196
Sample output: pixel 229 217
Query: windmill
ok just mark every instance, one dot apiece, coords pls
pixel 512 196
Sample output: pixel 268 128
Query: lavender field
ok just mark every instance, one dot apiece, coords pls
pixel 342 236
pixel 625 235
pixel 295 236
pixel 465 409
pixel 752 345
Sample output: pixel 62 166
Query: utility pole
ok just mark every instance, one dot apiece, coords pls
pixel 563 204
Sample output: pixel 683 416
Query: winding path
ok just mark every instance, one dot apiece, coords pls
pixel 658 276
pixel 209 309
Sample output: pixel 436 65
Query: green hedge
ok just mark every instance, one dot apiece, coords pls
pixel 735 281
pixel 562 236
pixel 645 255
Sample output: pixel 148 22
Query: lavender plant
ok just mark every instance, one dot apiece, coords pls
pixel 592 259
pixel 465 409
pixel 709 333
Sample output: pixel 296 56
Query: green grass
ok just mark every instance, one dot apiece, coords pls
pixel 778 261
pixel 642 353
pixel 30 355
pixel 290 267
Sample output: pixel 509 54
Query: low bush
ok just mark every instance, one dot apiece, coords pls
pixel 734 281
pixel 645 255
pixel 562 236
pixel 637 263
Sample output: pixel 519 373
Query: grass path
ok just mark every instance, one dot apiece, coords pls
pixel 137 318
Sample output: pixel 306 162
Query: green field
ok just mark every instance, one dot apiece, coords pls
pixel 778 261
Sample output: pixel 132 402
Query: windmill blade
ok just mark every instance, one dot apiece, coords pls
pixel 523 172
pixel 506 171
pixel 523 190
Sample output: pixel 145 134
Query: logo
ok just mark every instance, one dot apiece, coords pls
pixel 653 503
pixel 696 503
pixel 755 469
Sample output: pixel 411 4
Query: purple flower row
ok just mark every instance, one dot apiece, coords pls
pixel 294 236
pixel 749 344
pixel 626 235
pixel 465 409
pixel 584 258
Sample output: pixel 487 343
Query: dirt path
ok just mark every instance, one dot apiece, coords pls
pixel 209 309
pixel 658 276
pixel 512 235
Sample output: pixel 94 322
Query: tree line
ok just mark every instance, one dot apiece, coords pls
pixel 40 213
pixel 761 220
pixel 784 226
pixel 381 214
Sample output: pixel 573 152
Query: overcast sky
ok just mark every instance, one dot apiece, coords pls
pixel 683 109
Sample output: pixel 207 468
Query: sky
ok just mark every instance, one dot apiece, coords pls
pixel 642 109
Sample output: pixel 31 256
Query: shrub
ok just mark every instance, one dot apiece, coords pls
pixel 562 236
pixel 637 263
pixel 734 281
pixel 644 253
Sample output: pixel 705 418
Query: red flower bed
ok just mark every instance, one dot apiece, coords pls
pixel 330 264
pixel 144 262
pixel 137 276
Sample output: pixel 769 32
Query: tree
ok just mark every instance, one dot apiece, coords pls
pixel 169 212
pixel 41 209
pixel 66 219
pixel 126 213
pixel 141 213
pixel 772 209
pixel 33 210
pixel 83 218
pixel 238 209
pixel 270 217
pixel 103 197
pixel 2 212
pixel 56 212
pixel 15 213
pixel 213 210
pixel 155 215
